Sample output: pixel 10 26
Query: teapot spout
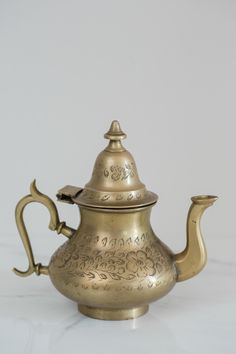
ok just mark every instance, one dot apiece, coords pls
pixel 193 258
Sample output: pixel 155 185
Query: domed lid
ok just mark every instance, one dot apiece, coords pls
pixel 115 182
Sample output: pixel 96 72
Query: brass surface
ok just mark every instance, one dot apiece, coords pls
pixel 112 313
pixel 114 265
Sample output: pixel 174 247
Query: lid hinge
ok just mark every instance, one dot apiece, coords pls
pixel 68 193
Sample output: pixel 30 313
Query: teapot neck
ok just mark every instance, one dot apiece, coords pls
pixel 131 222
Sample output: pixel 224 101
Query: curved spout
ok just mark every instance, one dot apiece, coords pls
pixel 191 261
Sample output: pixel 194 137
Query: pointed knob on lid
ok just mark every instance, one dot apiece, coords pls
pixel 115 135
pixel 115 132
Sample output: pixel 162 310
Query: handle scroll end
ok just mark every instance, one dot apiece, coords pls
pixel 33 187
pixel 21 273
pixel 38 269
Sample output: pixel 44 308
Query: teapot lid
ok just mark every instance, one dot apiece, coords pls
pixel 115 182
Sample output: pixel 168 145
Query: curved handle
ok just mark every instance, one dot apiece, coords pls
pixel 54 225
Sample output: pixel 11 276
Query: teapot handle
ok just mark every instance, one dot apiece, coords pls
pixel 55 225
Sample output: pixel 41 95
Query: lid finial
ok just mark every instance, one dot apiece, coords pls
pixel 115 132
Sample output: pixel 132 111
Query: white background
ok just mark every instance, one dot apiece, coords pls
pixel 165 69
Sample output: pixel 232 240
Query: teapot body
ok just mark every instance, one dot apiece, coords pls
pixel 114 265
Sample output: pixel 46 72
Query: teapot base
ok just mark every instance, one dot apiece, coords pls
pixel 112 314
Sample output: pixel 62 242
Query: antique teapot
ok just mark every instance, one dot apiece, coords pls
pixel 114 265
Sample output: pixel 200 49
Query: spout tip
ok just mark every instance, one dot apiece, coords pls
pixel 204 199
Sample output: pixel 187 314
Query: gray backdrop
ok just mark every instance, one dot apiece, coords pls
pixel 165 69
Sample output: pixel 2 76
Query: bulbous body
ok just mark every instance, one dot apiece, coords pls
pixel 114 261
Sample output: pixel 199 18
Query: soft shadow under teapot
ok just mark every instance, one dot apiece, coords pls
pixel 114 265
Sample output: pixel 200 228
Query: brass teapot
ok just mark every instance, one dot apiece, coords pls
pixel 114 265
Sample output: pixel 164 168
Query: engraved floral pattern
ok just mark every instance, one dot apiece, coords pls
pixel 117 172
pixel 85 260
pixel 139 263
